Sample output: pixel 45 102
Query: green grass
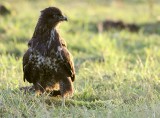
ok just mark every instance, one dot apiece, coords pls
pixel 117 72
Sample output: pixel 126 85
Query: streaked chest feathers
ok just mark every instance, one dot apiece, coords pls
pixel 42 60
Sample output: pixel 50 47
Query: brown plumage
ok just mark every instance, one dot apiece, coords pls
pixel 47 63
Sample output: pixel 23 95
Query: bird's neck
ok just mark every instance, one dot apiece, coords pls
pixel 42 29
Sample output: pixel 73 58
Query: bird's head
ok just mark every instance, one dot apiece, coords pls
pixel 52 16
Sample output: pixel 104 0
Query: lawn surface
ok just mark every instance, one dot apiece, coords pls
pixel 117 71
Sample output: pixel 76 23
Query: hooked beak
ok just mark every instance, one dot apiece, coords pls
pixel 63 18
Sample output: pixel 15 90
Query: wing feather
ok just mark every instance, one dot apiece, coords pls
pixel 26 66
pixel 68 64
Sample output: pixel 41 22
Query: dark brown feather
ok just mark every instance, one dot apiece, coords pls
pixel 68 63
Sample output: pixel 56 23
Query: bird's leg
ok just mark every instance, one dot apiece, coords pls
pixel 63 101
pixel 38 91
pixel 66 88
pixel 62 90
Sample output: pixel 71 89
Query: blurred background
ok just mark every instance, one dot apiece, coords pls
pixel 115 45
pixel 87 18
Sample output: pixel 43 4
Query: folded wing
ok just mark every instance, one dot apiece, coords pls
pixel 68 64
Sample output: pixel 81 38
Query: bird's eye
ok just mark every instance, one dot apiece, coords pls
pixel 55 16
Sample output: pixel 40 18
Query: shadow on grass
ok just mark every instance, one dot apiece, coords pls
pixel 109 25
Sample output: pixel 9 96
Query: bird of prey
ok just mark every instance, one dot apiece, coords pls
pixel 47 63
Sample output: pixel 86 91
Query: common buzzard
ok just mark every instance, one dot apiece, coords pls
pixel 47 63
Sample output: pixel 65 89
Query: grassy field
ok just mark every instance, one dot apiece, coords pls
pixel 117 72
